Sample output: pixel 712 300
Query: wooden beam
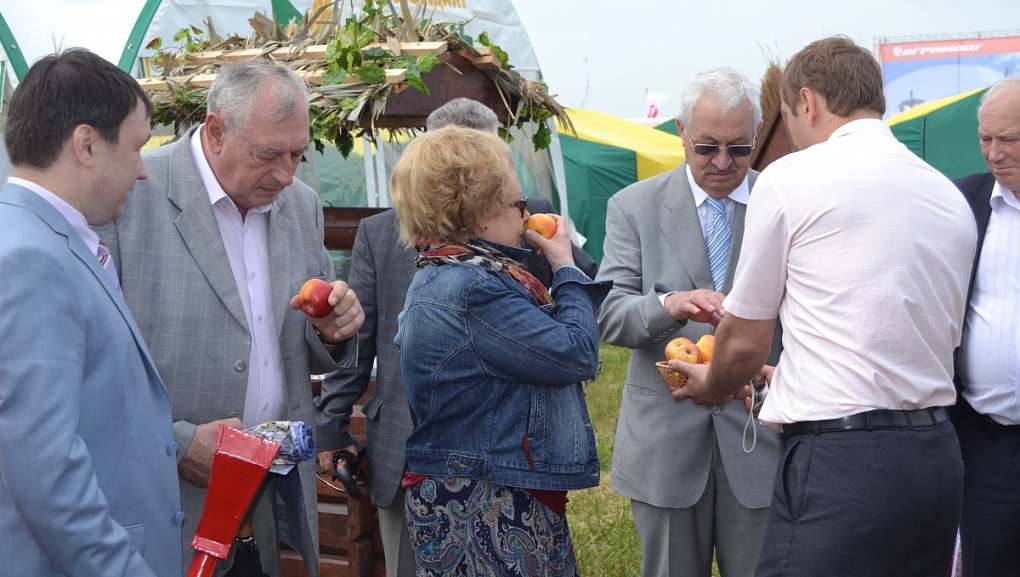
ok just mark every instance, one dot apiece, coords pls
pixel 153 84
pixel 416 48
pixel 486 59
pixel 314 52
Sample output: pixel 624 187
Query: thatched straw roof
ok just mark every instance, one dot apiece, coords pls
pixel 354 65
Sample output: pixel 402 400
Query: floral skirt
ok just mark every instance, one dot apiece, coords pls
pixel 476 529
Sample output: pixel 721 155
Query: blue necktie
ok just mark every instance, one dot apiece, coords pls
pixel 718 241
pixel 107 262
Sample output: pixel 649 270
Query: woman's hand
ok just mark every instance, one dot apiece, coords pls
pixel 557 249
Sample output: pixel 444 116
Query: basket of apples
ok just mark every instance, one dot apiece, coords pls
pixel 688 351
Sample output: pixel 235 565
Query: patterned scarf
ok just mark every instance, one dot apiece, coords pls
pixel 433 252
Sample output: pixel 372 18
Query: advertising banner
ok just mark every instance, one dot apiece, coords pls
pixel 922 71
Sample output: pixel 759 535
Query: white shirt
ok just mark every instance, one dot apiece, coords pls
pixel 864 251
pixel 75 218
pixel 247 244
pixel 990 354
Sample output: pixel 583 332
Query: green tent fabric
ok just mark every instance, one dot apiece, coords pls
pixel 944 133
pixel 594 172
pixel 606 155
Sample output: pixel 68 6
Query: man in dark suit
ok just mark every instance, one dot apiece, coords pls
pixel 381 272
pixel 987 415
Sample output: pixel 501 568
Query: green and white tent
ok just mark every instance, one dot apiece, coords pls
pixel 944 133
pixel 607 154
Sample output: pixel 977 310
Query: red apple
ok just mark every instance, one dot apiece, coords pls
pixel 314 298
pixel 683 349
pixel 543 224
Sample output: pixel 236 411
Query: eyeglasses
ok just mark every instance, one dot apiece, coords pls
pixel 521 205
pixel 734 150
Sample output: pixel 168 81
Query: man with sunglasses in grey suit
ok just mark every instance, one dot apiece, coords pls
pixel 672 243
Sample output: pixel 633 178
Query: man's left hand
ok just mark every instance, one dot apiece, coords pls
pixel 344 320
pixel 698 389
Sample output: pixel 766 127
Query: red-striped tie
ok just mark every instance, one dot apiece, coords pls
pixel 106 260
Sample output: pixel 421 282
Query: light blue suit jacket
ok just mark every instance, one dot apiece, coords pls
pixel 88 477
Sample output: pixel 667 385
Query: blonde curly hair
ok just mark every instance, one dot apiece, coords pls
pixel 448 181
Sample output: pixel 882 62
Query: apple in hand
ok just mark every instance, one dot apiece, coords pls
pixel 706 343
pixel 543 224
pixel 314 298
pixel 683 349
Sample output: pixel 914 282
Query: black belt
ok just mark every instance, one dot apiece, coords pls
pixel 870 420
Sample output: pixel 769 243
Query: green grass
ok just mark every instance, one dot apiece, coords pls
pixel 601 526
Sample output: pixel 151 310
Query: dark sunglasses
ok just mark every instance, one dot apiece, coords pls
pixel 521 205
pixel 734 150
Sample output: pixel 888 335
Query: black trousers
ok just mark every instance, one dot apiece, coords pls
pixel 880 503
pixel 990 526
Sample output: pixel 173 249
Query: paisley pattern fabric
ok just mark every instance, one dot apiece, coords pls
pixel 476 252
pixel 472 528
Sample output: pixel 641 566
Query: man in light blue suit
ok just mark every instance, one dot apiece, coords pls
pixel 88 477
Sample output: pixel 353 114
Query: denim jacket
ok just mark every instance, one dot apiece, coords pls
pixel 494 380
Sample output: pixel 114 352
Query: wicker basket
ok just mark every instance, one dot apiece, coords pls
pixel 674 379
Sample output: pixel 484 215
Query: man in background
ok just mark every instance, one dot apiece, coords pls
pixel 864 252
pixel 672 243
pixel 381 272
pixel 987 415
pixel 88 479
pixel 212 251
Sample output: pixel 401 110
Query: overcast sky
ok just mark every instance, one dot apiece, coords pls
pixel 606 54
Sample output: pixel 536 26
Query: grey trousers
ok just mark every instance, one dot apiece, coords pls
pixel 680 542
pixel 396 543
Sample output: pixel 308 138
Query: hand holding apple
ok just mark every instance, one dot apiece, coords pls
pixel 343 313
pixel 314 298
pixel 556 247
pixel 543 224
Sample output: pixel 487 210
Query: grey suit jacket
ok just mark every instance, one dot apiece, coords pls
pixel 88 478
pixel 381 271
pixel 178 282
pixel 663 449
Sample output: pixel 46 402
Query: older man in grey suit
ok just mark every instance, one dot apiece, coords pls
pixel 671 247
pixel 212 252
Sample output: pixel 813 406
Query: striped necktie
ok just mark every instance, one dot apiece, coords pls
pixel 107 262
pixel 718 241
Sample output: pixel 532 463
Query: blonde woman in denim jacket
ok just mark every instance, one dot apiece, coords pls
pixel 493 364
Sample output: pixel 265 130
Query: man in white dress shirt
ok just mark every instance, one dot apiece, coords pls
pixel 987 416
pixel 863 251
